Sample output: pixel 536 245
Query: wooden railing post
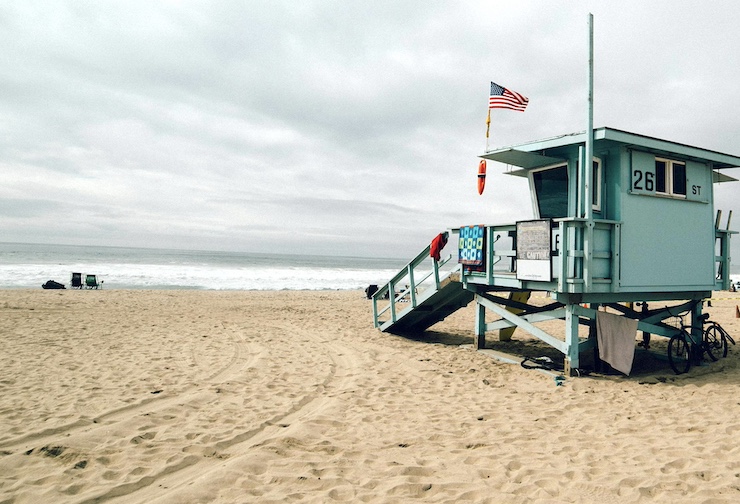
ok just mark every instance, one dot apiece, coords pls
pixel 412 285
pixel 392 299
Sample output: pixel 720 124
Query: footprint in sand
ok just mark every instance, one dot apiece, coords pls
pixel 143 437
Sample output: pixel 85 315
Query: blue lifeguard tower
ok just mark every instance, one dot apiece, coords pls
pixel 618 218
pixel 636 223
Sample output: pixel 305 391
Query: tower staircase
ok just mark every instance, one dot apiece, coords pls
pixel 423 293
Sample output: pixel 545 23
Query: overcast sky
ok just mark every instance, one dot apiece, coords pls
pixel 334 127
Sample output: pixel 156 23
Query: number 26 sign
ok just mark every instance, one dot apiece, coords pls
pixel 643 181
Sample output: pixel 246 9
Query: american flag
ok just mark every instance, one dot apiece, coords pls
pixel 504 98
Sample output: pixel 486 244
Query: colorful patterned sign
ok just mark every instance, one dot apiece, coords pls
pixel 472 245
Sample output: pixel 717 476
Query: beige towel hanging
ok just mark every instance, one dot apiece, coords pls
pixel 616 337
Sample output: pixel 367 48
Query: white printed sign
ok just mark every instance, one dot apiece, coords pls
pixel 533 246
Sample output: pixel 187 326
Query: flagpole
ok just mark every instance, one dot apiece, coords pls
pixel 588 172
pixel 588 164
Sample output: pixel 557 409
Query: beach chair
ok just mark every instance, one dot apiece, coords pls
pixel 76 281
pixel 91 282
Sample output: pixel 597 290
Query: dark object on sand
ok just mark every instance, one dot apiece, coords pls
pixel 51 284
pixel 371 289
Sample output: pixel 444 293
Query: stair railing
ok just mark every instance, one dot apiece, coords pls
pixel 414 279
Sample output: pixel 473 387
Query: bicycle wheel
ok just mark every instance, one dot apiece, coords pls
pixel 679 353
pixel 715 342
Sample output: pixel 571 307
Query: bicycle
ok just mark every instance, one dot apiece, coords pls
pixel 683 348
pixel 715 339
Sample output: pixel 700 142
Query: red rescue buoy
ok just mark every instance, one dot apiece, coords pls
pixel 481 176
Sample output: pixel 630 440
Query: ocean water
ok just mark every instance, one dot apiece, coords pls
pixel 31 265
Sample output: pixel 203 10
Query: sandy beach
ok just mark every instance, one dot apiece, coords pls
pixel 207 396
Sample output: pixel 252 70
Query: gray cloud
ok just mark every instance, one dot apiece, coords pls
pixel 327 126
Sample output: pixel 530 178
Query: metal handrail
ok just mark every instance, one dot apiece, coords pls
pixel 407 275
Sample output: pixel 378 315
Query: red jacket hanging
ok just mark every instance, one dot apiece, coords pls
pixel 438 243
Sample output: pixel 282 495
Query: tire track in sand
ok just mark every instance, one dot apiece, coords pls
pixel 345 364
pixel 244 356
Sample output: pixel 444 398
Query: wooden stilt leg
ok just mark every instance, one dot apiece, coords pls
pixel 480 326
pixel 571 341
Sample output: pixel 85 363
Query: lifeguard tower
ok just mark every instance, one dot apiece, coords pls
pixel 636 223
pixel 618 218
